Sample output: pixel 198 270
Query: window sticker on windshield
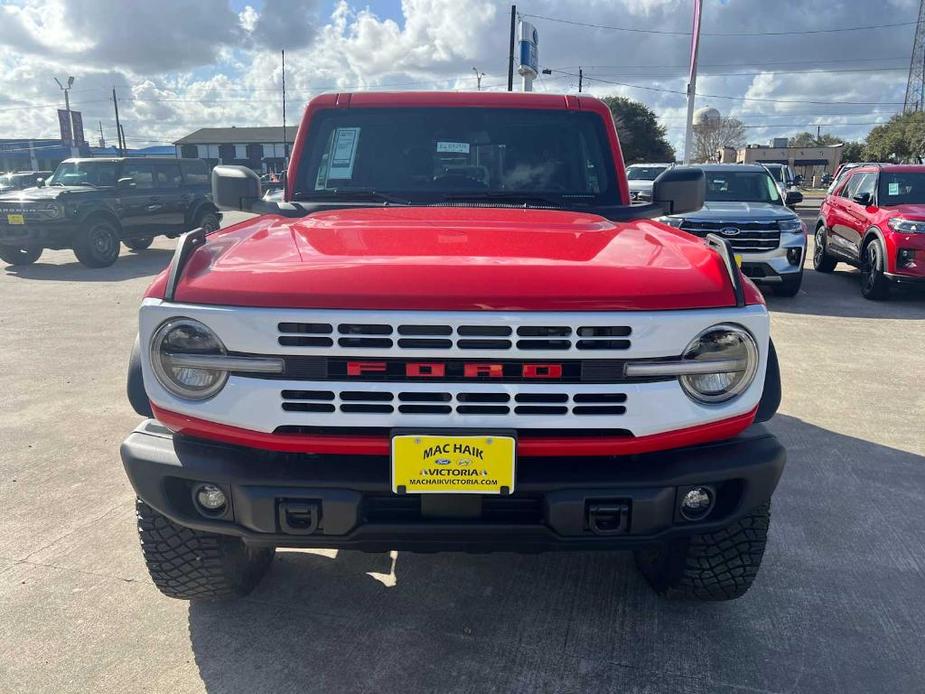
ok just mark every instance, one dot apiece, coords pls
pixel 893 188
pixel 455 147
pixel 343 153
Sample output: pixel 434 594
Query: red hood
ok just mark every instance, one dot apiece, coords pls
pixel 913 211
pixel 451 258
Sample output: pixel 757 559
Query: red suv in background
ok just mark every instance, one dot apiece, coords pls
pixel 874 219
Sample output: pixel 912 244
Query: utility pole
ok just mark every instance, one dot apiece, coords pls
pixel 915 86
pixel 818 133
pixel 581 76
pixel 285 157
pixel 692 82
pixel 478 78
pixel 124 148
pixel 510 63
pixel 115 103
pixel 67 107
pixel 102 139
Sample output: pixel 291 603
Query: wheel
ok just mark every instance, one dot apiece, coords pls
pixel 192 565
pixel 791 284
pixel 19 256
pixel 138 243
pixel 209 221
pixel 822 261
pixel 874 285
pixel 715 566
pixel 97 244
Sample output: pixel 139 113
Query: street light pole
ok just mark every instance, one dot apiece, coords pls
pixel 67 107
pixel 478 78
pixel 692 83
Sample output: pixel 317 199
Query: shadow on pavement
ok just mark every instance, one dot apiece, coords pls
pixel 128 266
pixel 837 606
pixel 839 294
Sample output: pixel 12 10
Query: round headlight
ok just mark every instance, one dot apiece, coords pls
pixel 735 348
pixel 179 337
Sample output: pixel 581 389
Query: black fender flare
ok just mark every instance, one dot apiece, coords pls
pixel 104 214
pixel 135 385
pixel 770 396
pixel 872 232
pixel 197 209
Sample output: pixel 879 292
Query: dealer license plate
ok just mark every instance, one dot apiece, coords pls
pixel 430 464
pixel 15 219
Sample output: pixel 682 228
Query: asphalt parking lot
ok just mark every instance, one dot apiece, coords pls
pixel 839 605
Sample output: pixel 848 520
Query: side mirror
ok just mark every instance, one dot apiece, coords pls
pixel 40 183
pixel 799 179
pixel 863 199
pixel 235 188
pixel 793 197
pixel 680 189
pixel 127 182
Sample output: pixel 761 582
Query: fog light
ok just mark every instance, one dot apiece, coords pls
pixel 211 497
pixel 794 255
pixel 696 503
pixel 906 257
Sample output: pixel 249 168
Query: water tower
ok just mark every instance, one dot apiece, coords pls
pixel 707 117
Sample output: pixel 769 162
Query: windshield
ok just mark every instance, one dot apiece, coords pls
pixel 741 186
pixel 82 173
pixel 906 188
pixel 644 173
pixel 434 154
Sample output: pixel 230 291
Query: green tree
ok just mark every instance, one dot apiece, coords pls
pixel 807 139
pixel 852 152
pixel 641 137
pixel 901 139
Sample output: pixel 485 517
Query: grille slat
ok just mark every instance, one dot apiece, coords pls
pixel 440 402
pixel 441 337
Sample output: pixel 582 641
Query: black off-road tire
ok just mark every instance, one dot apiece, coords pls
pixel 208 220
pixel 874 284
pixel 20 256
pixel 822 261
pixel 139 243
pixel 714 566
pixel 97 243
pixel 191 565
pixel 790 285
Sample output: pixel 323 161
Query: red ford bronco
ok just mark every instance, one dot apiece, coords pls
pixel 454 333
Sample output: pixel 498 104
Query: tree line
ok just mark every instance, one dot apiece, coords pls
pixel 643 139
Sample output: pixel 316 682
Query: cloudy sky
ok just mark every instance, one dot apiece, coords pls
pixel 179 65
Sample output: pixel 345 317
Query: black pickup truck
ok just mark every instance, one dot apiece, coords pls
pixel 91 205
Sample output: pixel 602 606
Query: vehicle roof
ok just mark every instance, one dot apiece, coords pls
pixel 732 167
pixel 118 159
pixel 892 168
pixel 651 163
pixel 569 102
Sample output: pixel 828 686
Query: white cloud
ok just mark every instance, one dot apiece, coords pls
pixel 179 65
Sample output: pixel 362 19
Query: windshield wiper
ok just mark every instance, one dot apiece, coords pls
pixel 351 195
pixel 505 196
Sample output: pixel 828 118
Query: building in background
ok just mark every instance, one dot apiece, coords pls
pixel 35 154
pixel 805 161
pixel 261 149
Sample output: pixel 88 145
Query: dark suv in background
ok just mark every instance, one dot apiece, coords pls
pixel 91 205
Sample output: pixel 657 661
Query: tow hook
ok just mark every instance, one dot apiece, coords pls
pixel 608 517
pixel 298 517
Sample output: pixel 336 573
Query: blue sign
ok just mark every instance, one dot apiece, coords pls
pixel 529 50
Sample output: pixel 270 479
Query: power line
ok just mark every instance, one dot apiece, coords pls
pixel 737 98
pixel 810 61
pixel 726 34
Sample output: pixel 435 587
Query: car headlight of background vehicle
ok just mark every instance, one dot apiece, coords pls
pixel 907 226
pixel 671 221
pixel 176 347
pixel 790 225
pixel 728 346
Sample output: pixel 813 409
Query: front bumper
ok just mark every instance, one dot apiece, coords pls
pixel 349 501
pixel 772 267
pixel 48 235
